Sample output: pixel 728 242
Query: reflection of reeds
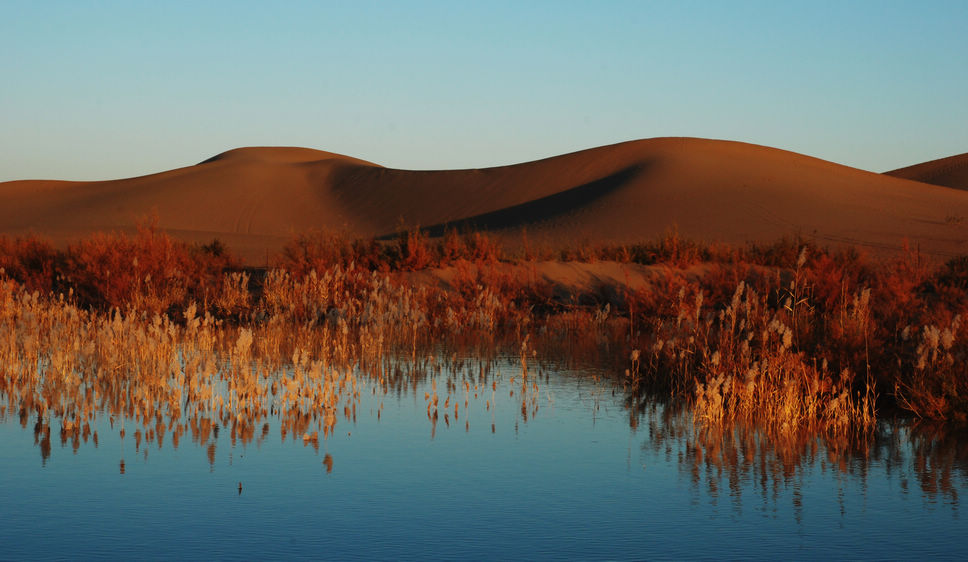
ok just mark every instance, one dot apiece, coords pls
pixel 730 460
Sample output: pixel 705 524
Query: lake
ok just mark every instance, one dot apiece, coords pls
pixel 561 464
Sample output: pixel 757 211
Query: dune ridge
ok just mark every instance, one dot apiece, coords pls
pixel 254 199
pixel 949 172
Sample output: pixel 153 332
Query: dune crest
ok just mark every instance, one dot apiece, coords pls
pixel 281 155
pixel 255 199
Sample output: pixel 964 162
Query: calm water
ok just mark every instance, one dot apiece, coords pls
pixel 559 469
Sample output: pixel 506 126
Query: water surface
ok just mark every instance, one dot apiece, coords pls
pixel 558 467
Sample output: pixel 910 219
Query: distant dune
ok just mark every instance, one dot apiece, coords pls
pixel 254 199
pixel 949 172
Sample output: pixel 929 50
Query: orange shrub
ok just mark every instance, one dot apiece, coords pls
pixel 472 246
pixel 415 253
pixel 150 271
pixel 30 262
pixel 321 250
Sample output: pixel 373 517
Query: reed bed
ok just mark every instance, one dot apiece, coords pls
pixel 790 337
pixel 741 363
pixel 790 349
pixel 303 356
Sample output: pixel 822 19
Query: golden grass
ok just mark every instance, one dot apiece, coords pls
pixel 741 364
pixel 790 337
pixel 304 357
pixel 789 351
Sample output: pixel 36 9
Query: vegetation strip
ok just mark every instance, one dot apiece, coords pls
pixel 791 337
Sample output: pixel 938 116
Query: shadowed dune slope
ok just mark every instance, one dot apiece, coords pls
pixel 254 199
pixel 949 172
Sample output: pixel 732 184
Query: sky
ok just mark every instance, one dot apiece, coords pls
pixel 99 90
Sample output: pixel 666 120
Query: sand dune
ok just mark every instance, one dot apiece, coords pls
pixel 254 199
pixel 949 172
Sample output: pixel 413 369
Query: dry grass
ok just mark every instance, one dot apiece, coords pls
pixel 302 352
pixel 790 337
pixel 829 337
pixel 743 361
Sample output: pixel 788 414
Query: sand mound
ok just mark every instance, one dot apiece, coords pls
pixel 281 155
pixel 949 172
pixel 254 199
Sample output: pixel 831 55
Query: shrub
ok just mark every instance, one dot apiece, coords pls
pixel 31 262
pixel 150 271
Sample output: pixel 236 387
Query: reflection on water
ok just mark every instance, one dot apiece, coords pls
pixel 724 462
pixel 940 459
pixel 305 403
pixel 507 444
pixel 731 462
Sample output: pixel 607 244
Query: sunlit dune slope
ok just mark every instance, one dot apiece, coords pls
pixel 949 172
pixel 254 199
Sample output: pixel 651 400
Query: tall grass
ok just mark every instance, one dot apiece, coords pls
pixel 791 337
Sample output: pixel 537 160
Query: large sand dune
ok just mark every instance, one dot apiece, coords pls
pixel 254 199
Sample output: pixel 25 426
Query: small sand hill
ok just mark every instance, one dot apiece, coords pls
pixel 254 199
pixel 949 172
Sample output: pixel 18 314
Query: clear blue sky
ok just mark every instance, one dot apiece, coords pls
pixel 97 90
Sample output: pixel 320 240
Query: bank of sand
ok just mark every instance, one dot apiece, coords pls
pixel 255 199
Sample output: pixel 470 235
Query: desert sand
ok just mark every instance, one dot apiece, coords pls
pixel 949 172
pixel 255 199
